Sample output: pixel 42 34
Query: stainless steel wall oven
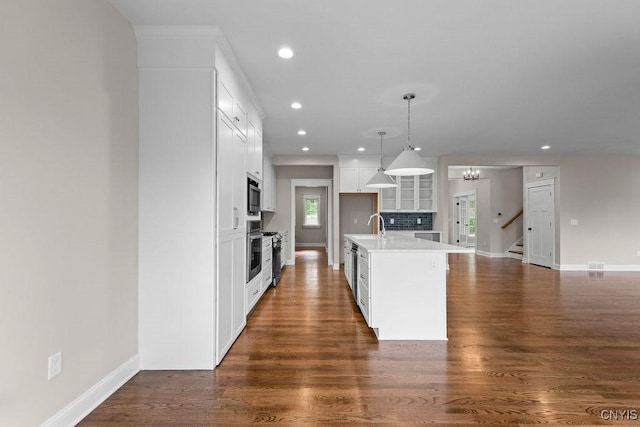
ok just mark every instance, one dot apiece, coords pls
pixel 254 249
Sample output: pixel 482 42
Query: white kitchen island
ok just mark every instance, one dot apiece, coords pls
pixel 400 284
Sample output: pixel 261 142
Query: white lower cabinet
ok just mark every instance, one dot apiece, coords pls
pixel 267 263
pixel 364 296
pixel 231 292
pixel 253 292
pixel 348 267
pixel 402 293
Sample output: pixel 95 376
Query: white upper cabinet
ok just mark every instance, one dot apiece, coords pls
pixel 254 153
pixel 413 194
pixel 353 180
pixel 230 102
pixel 355 172
pixel 268 183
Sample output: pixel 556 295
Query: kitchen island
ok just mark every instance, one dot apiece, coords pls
pixel 400 284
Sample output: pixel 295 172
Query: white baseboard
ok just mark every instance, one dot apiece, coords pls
pixel 491 254
pixel 74 412
pixel 311 245
pixel 607 267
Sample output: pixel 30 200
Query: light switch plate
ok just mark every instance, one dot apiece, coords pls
pixel 54 365
pixel 574 222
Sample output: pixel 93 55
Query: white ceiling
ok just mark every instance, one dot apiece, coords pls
pixel 491 76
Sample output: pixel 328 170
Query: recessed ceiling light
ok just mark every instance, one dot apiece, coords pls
pixel 417 148
pixel 360 148
pixel 545 147
pixel 285 53
pixel 296 105
pixel 302 132
pixel 305 148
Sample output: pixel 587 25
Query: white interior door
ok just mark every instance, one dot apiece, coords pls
pixel 462 223
pixel 465 220
pixel 540 240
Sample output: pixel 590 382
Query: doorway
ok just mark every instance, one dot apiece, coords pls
pixel 355 211
pixel 465 219
pixel 314 183
pixel 540 223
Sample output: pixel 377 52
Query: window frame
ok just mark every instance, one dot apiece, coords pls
pixel 306 197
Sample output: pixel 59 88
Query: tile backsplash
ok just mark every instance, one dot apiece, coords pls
pixel 408 220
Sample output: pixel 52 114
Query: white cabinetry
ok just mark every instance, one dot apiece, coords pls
pixel 192 189
pixel 364 295
pixel 267 262
pixel 286 248
pixel 254 152
pixel 268 184
pixel 231 235
pixel 353 180
pixel 402 286
pixel 356 171
pixel 413 194
pixel 231 317
pixel 253 292
pixel 230 102
pixel 348 267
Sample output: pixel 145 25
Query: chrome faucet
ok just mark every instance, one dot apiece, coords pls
pixel 381 232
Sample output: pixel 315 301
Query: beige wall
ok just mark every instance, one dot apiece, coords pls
pixel 281 219
pixel 355 211
pixel 597 191
pixel 68 180
pixel 311 236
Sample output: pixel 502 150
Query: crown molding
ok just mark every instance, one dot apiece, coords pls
pixel 201 32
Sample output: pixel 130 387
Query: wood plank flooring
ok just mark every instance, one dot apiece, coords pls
pixel 526 345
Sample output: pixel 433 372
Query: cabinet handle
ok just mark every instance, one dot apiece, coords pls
pixel 256 291
pixel 361 276
pixel 236 118
pixel 236 218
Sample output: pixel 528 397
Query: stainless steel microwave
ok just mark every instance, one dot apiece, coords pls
pixel 253 197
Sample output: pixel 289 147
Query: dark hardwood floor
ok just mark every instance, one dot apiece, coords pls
pixel 526 345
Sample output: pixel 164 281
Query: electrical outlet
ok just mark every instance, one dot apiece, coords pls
pixel 574 222
pixel 355 220
pixel 638 253
pixel 55 365
pixel 419 220
pixel 392 221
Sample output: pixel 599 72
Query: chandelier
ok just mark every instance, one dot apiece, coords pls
pixel 470 175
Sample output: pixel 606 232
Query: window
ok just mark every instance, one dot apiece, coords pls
pixel 311 210
pixel 472 217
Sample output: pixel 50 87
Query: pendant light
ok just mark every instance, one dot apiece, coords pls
pixel 380 179
pixel 409 162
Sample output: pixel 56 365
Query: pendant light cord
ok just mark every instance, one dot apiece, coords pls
pixel 409 121
pixel 382 134
pixel 409 97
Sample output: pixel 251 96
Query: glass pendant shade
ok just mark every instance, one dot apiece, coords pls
pixel 408 163
pixel 381 180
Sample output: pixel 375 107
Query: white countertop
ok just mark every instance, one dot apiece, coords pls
pixel 373 243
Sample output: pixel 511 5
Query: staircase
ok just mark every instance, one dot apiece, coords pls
pixel 516 250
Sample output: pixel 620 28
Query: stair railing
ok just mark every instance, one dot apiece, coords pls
pixel 513 218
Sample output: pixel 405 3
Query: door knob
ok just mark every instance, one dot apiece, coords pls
pixel 529 228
